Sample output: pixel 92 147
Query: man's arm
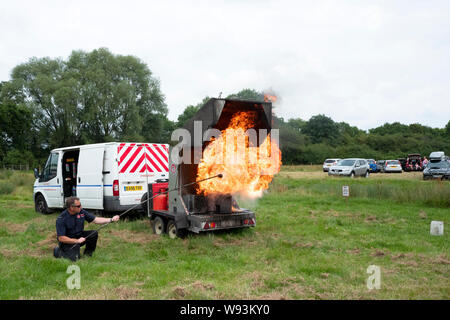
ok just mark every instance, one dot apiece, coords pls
pixel 99 220
pixel 65 239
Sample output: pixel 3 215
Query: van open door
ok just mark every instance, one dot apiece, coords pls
pixel 90 177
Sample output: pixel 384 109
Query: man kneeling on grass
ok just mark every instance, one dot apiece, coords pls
pixel 70 230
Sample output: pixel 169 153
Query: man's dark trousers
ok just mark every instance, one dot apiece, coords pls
pixel 72 251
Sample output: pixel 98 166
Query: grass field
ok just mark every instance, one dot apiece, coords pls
pixel 309 243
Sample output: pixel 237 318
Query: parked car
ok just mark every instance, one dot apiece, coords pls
pixel 328 163
pixel 350 167
pixel 372 165
pixel 393 166
pixel 403 163
pixel 437 155
pixel 437 169
pixel 380 165
pixel 414 162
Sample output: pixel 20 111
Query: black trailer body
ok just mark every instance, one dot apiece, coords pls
pixel 188 211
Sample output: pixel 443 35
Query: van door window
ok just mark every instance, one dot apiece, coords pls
pixel 51 168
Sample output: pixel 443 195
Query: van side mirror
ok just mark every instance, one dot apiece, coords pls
pixel 36 173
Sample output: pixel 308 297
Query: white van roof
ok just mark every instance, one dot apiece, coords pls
pixel 98 145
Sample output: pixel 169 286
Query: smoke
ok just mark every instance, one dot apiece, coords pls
pixel 248 201
pixel 270 95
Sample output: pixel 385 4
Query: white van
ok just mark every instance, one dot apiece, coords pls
pixel 105 176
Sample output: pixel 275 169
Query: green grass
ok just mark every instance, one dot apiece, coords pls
pixel 309 243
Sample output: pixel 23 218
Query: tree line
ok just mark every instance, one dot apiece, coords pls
pixel 96 96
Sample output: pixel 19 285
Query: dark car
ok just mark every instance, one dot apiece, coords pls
pixel 380 165
pixel 437 169
pixel 403 163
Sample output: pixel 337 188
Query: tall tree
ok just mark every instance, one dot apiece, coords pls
pixel 93 97
pixel 16 119
pixel 321 129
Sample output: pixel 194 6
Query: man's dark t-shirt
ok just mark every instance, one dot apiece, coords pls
pixel 72 225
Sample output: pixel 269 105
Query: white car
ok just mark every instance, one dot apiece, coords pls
pixel 328 163
pixel 393 166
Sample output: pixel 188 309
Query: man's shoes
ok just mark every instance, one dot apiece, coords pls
pixel 87 254
pixel 57 252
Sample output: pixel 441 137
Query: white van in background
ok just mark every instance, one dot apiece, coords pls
pixel 110 176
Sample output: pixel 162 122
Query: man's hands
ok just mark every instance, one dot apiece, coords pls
pixel 115 218
pixel 81 240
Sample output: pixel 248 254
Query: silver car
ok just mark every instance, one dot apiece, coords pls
pixel 350 167
pixel 393 166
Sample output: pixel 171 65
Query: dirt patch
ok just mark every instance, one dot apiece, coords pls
pixel 35 253
pixel 304 245
pixel 126 293
pixel 258 280
pixel 14 227
pixel 370 219
pixel 272 296
pixel 442 260
pixel 423 214
pixel 398 256
pixel 378 253
pixel 294 289
pixel 409 263
pixel 179 292
pixel 312 214
pixel 7 253
pixel 198 285
pixel 353 251
pixel 49 241
pixel 401 256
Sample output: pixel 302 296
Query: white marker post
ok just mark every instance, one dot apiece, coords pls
pixel 346 193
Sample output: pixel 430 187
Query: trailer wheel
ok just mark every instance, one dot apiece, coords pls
pixel 174 232
pixel 159 226
pixel 40 205
pixel 171 229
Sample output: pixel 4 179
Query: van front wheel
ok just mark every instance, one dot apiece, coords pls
pixel 40 205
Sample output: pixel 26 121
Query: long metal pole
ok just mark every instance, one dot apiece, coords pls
pixel 156 195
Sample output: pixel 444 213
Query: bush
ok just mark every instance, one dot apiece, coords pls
pixel 5 174
pixel 6 187
pixel 17 157
pixel 22 179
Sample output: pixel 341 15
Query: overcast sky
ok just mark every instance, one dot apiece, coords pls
pixel 362 62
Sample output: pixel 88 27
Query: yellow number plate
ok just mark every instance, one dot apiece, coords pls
pixel 133 188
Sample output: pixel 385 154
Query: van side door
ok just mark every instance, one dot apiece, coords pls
pixel 50 181
pixel 90 177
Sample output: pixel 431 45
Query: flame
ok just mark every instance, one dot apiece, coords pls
pixel 246 168
pixel 270 98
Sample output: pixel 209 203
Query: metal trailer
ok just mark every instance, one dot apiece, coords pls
pixel 181 209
